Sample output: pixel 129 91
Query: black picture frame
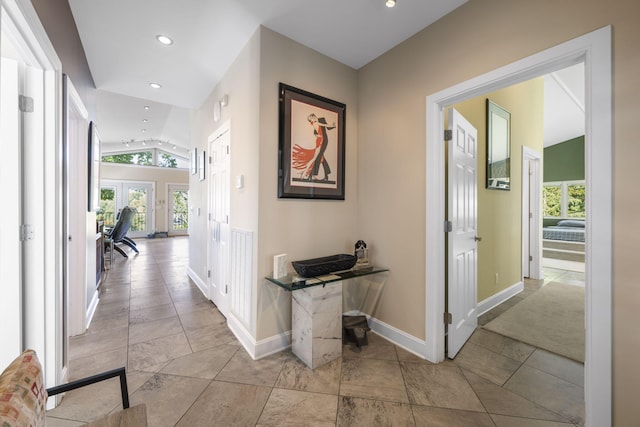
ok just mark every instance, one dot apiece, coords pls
pixel 94 159
pixel 311 161
pixel 498 147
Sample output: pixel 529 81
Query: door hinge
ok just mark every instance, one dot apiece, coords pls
pixel 226 289
pixel 26 232
pixel 530 215
pixel 448 226
pixel 25 104
pixel 530 258
pixel 448 135
pixel 227 219
pixel 448 319
pixel 227 149
pixel 209 274
pixel 210 160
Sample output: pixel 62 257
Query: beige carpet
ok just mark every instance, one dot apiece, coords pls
pixel 552 319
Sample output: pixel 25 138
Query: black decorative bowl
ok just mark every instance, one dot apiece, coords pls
pixel 325 265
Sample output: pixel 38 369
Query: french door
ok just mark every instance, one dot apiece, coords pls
pixel 115 195
pixel 178 209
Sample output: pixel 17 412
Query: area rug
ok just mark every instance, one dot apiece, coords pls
pixel 552 318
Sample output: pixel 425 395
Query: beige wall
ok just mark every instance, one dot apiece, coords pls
pixel 478 37
pixel 499 212
pixel 300 228
pixel 160 176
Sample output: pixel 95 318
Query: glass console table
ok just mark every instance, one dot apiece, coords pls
pixel 316 313
pixel 292 282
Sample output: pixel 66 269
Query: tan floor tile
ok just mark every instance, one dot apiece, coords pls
pixel 97 363
pixel 203 364
pixel 374 379
pixel 89 402
pixel 201 318
pixel 486 363
pixel 152 313
pixel 502 345
pixel 295 375
pixel 561 367
pixel 377 348
pixel 150 330
pixel 442 386
pixel 504 421
pixel 168 397
pixel 98 342
pixel 355 411
pixel 441 417
pixel 149 301
pixel 211 336
pixel 550 392
pixel 498 400
pixel 227 404
pixel 290 407
pixel 264 372
pixel 146 355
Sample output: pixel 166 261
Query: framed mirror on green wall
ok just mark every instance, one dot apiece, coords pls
pixel 498 147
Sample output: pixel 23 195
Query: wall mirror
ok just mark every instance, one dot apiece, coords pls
pixel 498 147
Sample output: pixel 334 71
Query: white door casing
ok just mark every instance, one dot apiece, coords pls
pixel 531 214
pixel 10 260
pixel 463 232
pixel 595 50
pixel 219 218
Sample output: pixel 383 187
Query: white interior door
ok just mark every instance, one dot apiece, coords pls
pixel 462 238
pixel 219 181
pixel 178 209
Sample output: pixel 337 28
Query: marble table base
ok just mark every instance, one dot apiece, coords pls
pixel 316 317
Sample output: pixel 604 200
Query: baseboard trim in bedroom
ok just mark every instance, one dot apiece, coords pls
pixel 497 299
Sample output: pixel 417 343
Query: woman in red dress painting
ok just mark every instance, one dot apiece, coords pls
pixel 309 160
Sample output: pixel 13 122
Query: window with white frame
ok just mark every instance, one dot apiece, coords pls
pixel 564 199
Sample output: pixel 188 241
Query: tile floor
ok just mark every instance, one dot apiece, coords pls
pixel 189 369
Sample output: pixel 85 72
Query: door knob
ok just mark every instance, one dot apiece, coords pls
pixel 477 239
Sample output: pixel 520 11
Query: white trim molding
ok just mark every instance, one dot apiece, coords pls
pixel 500 297
pixel 594 50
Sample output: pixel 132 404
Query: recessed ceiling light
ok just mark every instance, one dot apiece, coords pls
pixel 155 85
pixel 145 120
pixel 164 39
pixel 146 107
pixel 143 130
pixel 390 3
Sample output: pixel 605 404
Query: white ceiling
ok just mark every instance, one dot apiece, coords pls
pixel 118 37
pixel 124 56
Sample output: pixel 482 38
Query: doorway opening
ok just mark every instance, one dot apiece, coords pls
pixel 594 49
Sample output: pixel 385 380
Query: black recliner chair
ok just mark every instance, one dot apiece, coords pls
pixel 118 234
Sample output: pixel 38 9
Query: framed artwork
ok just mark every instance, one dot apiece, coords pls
pixel 201 163
pixel 193 162
pixel 498 147
pixel 94 168
pixel 311 162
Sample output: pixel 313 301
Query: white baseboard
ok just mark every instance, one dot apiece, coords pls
pixel 400 338
pixel 201 284
pixel 91 310
pixel 497 299
pixel 258 349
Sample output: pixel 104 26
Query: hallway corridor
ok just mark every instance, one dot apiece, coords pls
pixel 189 369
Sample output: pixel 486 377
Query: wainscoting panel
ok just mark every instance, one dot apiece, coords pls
pixel 241 276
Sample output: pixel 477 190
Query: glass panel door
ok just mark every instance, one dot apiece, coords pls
pixel 139 196
pixel 178 209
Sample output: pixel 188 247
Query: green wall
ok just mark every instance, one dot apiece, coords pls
pixel 499 211
pixel 564 161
